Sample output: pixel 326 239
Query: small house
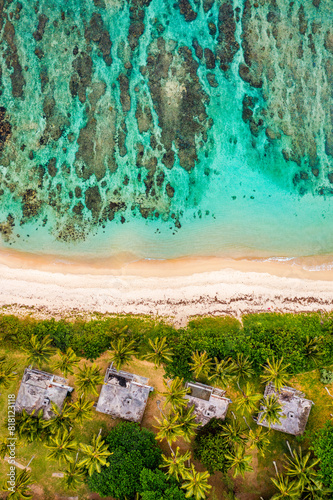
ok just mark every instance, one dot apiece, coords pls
pixel 38 389
pixel 209 402
pixel 123 395
pixel 295 410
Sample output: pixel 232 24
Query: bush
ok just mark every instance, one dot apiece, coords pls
pixel 210 448
pixel 262 336
pixel 216 336
pixel 133 449
pixel 326 376
pixel 322 445
pixel 155 485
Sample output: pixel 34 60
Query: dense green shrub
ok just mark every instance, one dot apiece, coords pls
pixel 156 485
pixel 322 445
pixel 262 336
pixel 282 335
pixel 216 336
pixel 326 376
pixel 133 449
pixel 210 447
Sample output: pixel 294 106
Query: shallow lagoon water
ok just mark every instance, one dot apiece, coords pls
pixel 163 129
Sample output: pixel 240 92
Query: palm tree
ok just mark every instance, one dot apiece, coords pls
pixel 259 439
pixel 160 353
pixel 73 476
pixel 123 351
pixel 175 393
pixel 62 419
pixel 276 373
pixel 247 402
pixel 168 428
pixel 242 367
pixel 96 455
pixel 62 446
pixel 196 483
pixel 3 447
pixel 7 375
pixel 88 378
pixel 300 468
pixel 313 347
pixel 222 373
pixel 21 488
pixel 316 491
pixel 233 433
pixel 39 350
pixel 66 362
pixel 288 490
pixel 175 464
pixel 201 364
pixel 271 410
pixel 82 410
pixel 186 418
pixel 30 427
pixel 239 461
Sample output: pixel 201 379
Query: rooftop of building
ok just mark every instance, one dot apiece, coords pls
pixel 123 395
pixel 209 402
pixel 38 389
pixel 295 410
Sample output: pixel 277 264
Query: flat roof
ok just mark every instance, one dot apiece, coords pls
pixel 295 407
pixel 209 402
pixel 38 389
pixel 123 395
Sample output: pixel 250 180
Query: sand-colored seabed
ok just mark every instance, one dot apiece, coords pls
pixel 177 289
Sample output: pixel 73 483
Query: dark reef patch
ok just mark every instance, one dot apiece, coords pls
pixel 178 99
pixel 5 128
pixel 12 60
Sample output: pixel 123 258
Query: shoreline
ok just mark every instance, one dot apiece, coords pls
pixel 175 289
pixel 316 267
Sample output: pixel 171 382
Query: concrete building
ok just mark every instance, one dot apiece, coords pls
pixel 38 389
pixel 123 395
pixel 209 402
pixel 295 410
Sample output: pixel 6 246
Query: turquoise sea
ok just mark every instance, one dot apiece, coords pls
pixel 164 129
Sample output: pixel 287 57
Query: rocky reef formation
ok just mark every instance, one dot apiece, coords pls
pixel 111 108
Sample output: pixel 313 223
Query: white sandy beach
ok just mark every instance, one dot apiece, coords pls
pixel 177 289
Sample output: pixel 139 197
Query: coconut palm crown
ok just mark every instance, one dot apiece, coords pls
pixel 159 352
pixel 39 350
pixel 196 483
pixel 176 463
pixel 68 360
pixel 242 367
pixel 88 378
pixel 122 352
pixel 169 428
pixel 96 455
pixel 175 393
pixel 276 373
pixel 201 364
pixel 21 490
pixel 247 402
pixel 271 410
pixel 7 374
pixel 222 373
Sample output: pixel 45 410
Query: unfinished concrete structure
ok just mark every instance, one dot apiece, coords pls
pixel 209 402
pixel 38 389
pixel 123 395
pixel 295 410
